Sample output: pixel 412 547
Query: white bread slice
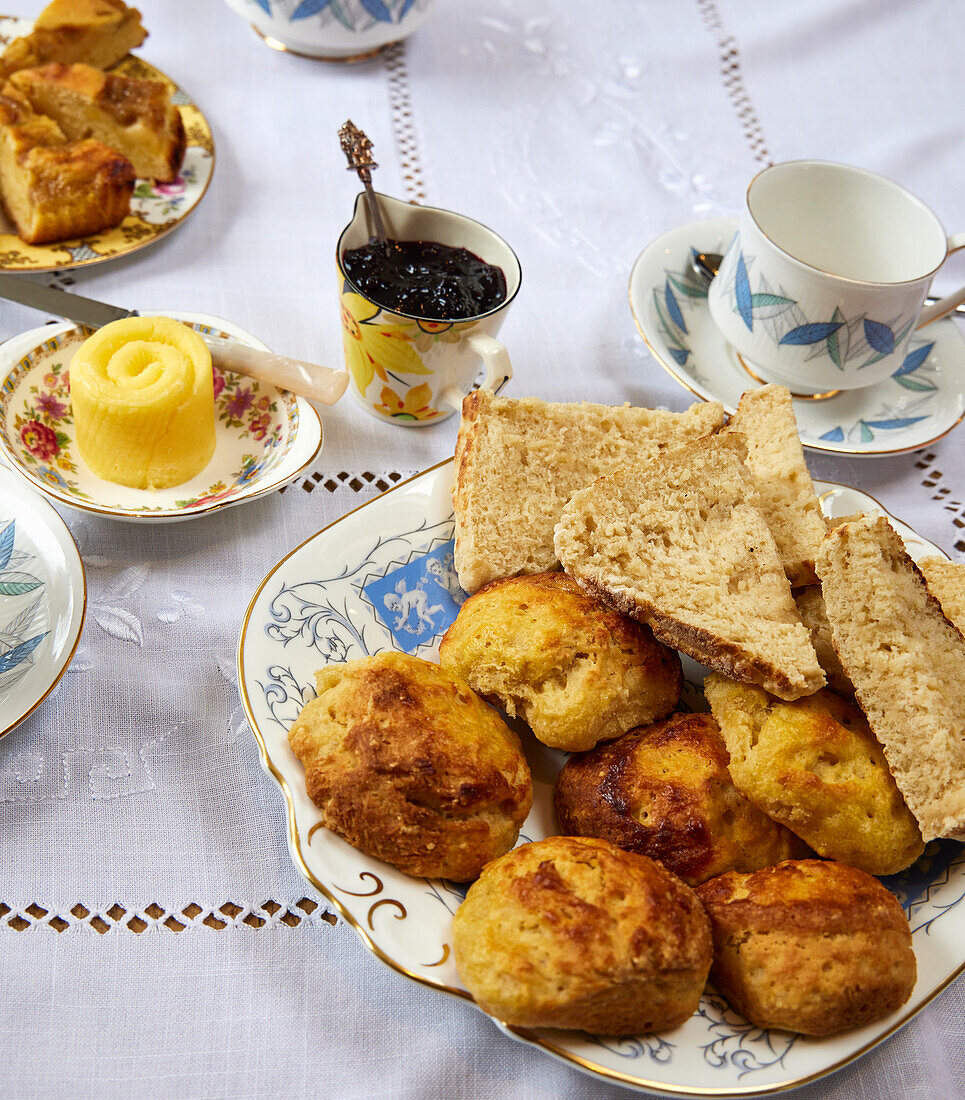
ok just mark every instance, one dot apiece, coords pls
pixel 907 664
pixel 680 544
pixel 810 606
pixel 946 582
pixel 519 460
pixel 776 458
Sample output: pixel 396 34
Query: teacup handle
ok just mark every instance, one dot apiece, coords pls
pixel 495 359
pixel 945 305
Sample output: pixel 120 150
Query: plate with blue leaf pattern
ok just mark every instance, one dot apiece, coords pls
pixel 922 401
pixel 382 578
pixel 43 597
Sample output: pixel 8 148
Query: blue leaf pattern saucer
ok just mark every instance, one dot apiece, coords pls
pixel 42 599
pixel 922 401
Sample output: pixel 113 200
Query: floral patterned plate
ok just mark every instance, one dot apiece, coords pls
pixel 382 578
pixel 922 401
pixel 265 436
pixel 156 208
pixel 43 596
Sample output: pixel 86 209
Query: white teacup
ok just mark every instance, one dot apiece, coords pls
pixel 824 282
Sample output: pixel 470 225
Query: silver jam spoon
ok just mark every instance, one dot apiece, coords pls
pixel 705 265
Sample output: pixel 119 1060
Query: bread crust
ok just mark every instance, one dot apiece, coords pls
pixel 704 646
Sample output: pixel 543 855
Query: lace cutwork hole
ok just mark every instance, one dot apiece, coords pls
pixel 941 493
pixel 117 917
pixel 356 482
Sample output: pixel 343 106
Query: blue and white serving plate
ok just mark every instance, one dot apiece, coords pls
pixel 382 578
pixel 922 401
pixel 43 597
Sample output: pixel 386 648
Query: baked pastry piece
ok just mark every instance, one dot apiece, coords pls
pixel 407 764
pixel 775 457
pixel 575 933
pixel 518 461
pixel 53 189
pixel 135 117
pixel 680 543
pixel 573 668
pixel 907 664
pixel 809 946
pixel 98 32
pixel 664 791
pixel 815 766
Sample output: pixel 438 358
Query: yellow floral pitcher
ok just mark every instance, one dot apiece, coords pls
pixel 411 370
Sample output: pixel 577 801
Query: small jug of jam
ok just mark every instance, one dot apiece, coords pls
pixel 417 320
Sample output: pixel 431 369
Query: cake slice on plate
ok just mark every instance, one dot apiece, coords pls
pixel 98 32
pixel 53 189
pixel 680 543
pixel 135 117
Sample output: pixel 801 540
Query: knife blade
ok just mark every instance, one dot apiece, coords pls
pixel 306 379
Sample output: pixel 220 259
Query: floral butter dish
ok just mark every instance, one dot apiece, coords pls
pixel 43 596
pixel 265 436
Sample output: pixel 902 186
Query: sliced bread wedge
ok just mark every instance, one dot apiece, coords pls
pixel 907 664
pixel 680 544
pixel 765 417
pixel 946 582
pixel 519 460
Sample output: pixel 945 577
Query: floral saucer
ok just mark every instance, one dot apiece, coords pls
pixel 156 208
pixel 382 578
pixel 43 596
pixel 922 401
pixel 265 436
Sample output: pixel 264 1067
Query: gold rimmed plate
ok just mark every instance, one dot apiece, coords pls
pixel 264 436
pixel 156 208
pixel 921 402
pixel 382 578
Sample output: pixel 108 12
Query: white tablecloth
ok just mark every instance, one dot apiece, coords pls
pixel 579 132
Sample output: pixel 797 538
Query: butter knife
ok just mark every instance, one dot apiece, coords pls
pixel 306 379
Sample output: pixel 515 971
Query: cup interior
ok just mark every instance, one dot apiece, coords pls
pixel 847 222
pixel 408 222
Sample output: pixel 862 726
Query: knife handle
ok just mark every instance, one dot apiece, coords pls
pixel 305 379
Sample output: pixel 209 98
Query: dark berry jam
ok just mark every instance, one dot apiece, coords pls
pixel 426 279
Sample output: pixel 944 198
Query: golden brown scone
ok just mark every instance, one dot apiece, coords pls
pixel 815 766
pixel 576 670
pixel 809 946
pixel 576 933
pixel 53 189
pixel 408 765
pixel 664 791
pixel 98 32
